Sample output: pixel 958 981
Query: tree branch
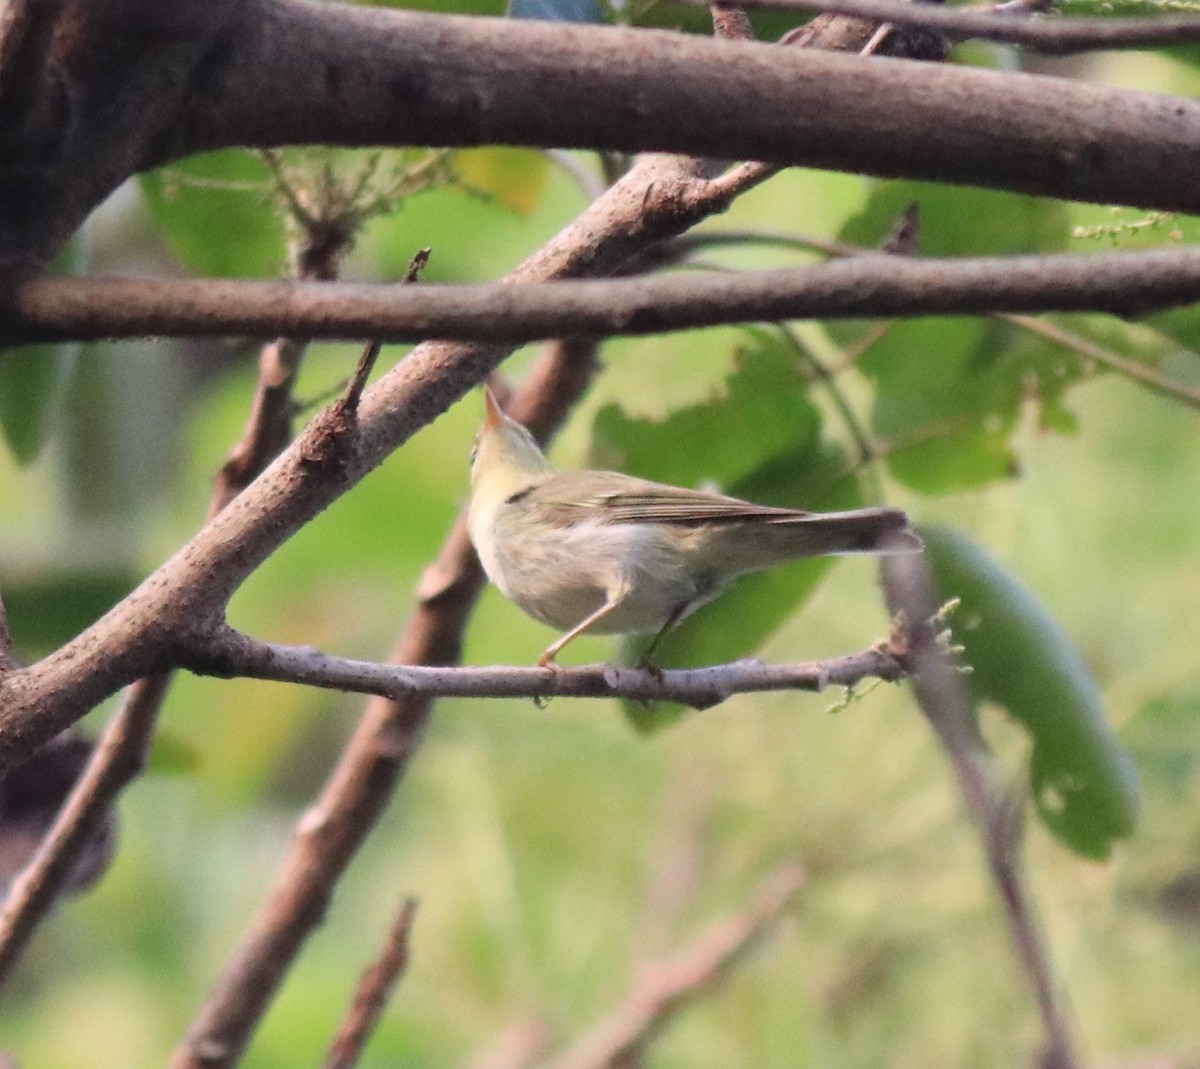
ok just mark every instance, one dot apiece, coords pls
pixel 1053 35
pixel 8 659
pixel 421 79
pixel 666 989
pixel 132 84
pixel 864 286
pixel 119 756
pixel 947 704
pixel 361 784
pixel 231 654
pixel 373 991
pixel 1122 365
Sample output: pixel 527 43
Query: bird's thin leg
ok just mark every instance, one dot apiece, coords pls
pixel 647 658
pixel 546 660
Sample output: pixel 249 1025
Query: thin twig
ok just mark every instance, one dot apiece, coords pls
pixel 119 757
pixel 8 657
pixel 358 381
pixel 232 654
pixel 373 991
pixel 1179 391
pixel 517 1047
pixel 944 699
pixel 1054 35
pixel 854 427
pixel 1132 369
pixel 670 987
pixel 730 22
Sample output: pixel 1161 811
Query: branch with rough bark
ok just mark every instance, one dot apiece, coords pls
pixel 117 86
pixel 867 286
pixel 229 654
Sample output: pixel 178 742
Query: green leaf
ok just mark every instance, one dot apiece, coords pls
pixel 172 755
pixel 47 610
pixel 1084 783
pixel 32 381
pixel 960 221
pixel 959 460
pixel 763 410
pixel 217 216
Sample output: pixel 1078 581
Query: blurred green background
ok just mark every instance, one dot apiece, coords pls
pixel 556 851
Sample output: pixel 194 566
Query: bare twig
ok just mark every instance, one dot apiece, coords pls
pixel 119 756
pixel 1055 35
pixel 8 658
pixel 730 21
pixel 668 988
pixel 358 381
pixel 871 286
pixel 517 1047
pixel 232 654
pixel 1122 365
pixel 944 699
pixel 373 991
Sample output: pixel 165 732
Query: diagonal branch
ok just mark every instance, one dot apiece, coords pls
pixel 864 286
pixel 119 756
pixel 121 752
pixel 371 995
pixel 945 700
pixel 378 754
pixel 667 989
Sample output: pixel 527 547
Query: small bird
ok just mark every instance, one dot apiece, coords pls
pixel 609 553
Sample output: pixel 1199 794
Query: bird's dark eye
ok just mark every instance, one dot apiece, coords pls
pixel 474 452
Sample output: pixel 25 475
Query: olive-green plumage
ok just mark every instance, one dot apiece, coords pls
pixel 608 553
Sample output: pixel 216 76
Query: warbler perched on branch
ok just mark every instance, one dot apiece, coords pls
pixel 609 553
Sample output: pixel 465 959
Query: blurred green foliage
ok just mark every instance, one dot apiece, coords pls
pixel 556 851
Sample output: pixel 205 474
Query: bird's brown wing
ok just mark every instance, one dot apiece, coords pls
pixel 610 497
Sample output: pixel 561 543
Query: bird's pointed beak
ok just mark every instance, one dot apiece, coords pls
pixel 493 415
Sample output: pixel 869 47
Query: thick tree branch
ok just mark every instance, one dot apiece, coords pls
pixel 865 286
pixel 1054 35
pixel 420 79
pixel 130 84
